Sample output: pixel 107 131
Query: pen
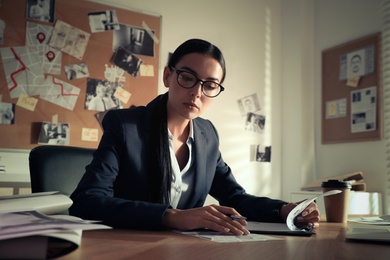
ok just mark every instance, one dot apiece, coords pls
pixel 237 217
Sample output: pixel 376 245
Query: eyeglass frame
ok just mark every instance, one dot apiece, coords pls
pixel 178 72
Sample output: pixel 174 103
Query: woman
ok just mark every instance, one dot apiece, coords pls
pixel 155 165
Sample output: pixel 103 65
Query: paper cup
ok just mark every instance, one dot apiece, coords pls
pixel 336 206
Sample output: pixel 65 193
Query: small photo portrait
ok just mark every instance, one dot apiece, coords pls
pixel 260 153
pixel 76 71
pixel 356 63
pixel 103 21
pixel 7 113
pixel 255 122
pixel 127 61
pixel 54 133
pixel 248 104
pixel 134 39
pixel 100 95
pixel 41 10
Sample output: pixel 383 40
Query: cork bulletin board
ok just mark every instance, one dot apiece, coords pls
pixel 351 91
pixel 104 49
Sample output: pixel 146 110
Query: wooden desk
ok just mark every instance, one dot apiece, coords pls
pixel 328 243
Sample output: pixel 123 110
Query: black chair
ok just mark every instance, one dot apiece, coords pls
pixel 57 168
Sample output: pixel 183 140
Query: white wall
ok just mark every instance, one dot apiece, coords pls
pixel 298 162
pixel 308 28
pixel 337 22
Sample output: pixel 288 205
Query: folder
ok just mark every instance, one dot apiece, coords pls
pixel 276 229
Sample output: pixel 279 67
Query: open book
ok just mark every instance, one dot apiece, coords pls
pixel 24 224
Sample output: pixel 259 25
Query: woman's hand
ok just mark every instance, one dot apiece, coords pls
pixel 310 216
pixel 211 217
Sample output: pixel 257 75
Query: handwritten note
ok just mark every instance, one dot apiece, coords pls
pixel 27 102
pixel 353 81
pixel 122 94
pixel 147 70
pixel 90 134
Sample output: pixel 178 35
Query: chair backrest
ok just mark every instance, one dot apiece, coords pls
pixel 57 168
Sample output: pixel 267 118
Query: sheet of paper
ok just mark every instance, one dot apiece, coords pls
pixel 69 39
pixel 90 134
pixel 60 93
pixel 28 223
pixel 27 102
pixel 302 206
pixel 226 237
pixel 38 35
pixel 147 70
pixel 363 110
pixel 23 70
pixel 383 220
pixel 122 94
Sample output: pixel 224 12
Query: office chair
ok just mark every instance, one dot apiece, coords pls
pixel 57 168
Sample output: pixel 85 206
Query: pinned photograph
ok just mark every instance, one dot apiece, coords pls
pixel 134 39
pixel 260 153
pixel 100 95
pixel 7 113
pixel 40 10
pixel 54 134
pixel 357 63
pixel 255 122
pixel 103 21
pixel 76 71
pixel 248 104
pixel 127 61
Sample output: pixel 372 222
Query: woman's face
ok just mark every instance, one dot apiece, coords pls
pixel 191 103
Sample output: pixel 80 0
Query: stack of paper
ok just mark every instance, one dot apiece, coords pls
pixel 369 229
pixel 24 225
pixel 45 202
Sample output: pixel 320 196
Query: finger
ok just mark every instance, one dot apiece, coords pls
pixel 220 216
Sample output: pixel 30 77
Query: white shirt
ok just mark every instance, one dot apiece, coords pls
pixel 182 181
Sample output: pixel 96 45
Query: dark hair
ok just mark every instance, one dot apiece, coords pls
pixel 198 46
pixel 160 166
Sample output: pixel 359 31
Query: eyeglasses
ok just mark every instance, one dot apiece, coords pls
pixel 188 80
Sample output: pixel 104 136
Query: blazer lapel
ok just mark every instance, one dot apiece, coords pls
pixel 201 183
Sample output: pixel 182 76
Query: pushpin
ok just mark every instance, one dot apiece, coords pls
pixel 41 37
pixel 50 55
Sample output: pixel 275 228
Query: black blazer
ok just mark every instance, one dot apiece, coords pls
pixel 114 188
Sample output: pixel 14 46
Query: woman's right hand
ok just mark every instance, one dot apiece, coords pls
pixel 213 217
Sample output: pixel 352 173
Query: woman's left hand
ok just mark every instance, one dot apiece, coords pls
pixel 310 216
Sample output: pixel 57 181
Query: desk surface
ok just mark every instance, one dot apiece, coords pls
pixel 328 243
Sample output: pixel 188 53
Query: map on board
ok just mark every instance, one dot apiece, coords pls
pixel 60 93
pixel 23 70
pixel 39 35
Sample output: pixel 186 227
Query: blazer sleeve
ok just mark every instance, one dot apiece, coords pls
pixel 95 196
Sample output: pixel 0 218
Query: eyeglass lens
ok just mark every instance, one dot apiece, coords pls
pixel 189 80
